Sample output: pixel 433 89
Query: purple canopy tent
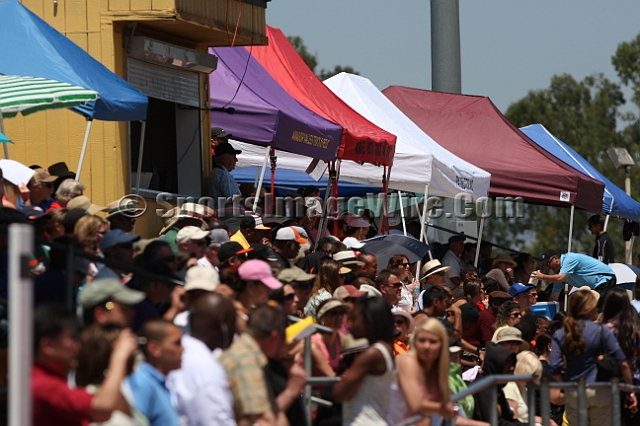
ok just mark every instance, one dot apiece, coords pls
pixel 248 103
pixel 260 111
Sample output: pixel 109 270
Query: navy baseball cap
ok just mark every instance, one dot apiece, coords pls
pixel 114 237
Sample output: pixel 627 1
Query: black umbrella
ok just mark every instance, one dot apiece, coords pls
pixel 385 246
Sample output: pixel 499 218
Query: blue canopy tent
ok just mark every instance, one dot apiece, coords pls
pixel 31 47
pixel 291 180
pixel 615 201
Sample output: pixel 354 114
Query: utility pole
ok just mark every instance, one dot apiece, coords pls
pixel 446 74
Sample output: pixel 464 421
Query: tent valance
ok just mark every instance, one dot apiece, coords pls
pixel 248 103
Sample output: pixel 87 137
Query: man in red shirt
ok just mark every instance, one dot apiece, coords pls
pixel 55 353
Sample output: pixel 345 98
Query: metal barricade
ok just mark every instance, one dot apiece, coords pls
pixel 309 400
pixel 545 405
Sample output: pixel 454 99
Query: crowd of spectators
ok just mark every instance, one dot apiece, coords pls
pixel 191 327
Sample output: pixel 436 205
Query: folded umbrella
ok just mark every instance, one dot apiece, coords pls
pixel 385 246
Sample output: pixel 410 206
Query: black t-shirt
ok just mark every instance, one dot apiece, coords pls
pixel 603 250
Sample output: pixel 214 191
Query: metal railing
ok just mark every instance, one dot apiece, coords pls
pixel 545 404
pixel 308 399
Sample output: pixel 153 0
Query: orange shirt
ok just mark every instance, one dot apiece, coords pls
pixel 399 347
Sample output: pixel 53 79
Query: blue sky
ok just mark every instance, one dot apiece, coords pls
pixel 508 46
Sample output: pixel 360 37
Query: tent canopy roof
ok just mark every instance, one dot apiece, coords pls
pixel 473 128
pixel 362 141
pixel 33 48
pixel 263 112
pixel 448 175
pixel 418 159
pixel 615 200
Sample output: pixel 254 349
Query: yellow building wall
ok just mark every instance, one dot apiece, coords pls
pixel 97 26
pixel 49 137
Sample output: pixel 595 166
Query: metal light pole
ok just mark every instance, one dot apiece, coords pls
pixel 621 159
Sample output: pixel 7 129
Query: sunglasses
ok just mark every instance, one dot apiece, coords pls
pixel 516 314
pixel 400 321
pixel 405 264
pixel 397 284
pixel 128 246
pixel 200 243
pixel 289 296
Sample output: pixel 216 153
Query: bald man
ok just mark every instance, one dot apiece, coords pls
pixel 201 388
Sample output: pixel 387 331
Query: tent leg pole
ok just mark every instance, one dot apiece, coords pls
pixel 484 213
pixel 606 223
pixel 84 148
pixel 423 219
pixel 6 148
pixel 570 229
pixel 20 325
pixel 274 160
pixel 140 154
pixel 404 225
pixel 324 219
pixel 259 188
pixel 334 194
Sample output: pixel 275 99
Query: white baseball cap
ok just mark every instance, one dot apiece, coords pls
pixel 290 233
pixel 191 233
pixel 201 278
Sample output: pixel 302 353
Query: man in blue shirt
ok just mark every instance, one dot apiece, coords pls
pixel 160 342
pixel 577 270
pixel 223 185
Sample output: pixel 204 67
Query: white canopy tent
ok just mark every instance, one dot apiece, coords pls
pixel 418 162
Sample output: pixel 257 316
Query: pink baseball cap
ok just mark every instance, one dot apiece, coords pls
pixel 258 270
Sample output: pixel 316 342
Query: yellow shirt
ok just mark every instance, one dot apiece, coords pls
pixel 239 238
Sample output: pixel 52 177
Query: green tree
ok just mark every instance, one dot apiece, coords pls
pixel 584 114
pixel 325 74
pixel 312 60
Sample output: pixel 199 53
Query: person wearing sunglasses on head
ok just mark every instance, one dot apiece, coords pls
pixel 400 263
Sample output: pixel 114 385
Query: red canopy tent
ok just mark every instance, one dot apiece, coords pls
pixel 362 141
pixel 473 128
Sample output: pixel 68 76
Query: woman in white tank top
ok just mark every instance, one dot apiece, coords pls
pixel 366 387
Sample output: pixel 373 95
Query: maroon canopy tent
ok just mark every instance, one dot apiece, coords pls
pixel 473 128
